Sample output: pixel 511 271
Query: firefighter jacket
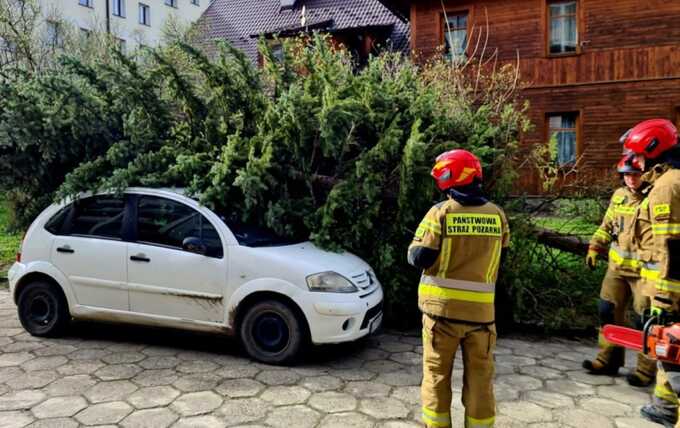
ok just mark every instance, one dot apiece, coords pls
pixel 660 250
pixel 616 234
pixel 466 241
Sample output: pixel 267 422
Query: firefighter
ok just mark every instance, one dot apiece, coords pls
pixel 654 145
pixel 458 246
pixel 622 281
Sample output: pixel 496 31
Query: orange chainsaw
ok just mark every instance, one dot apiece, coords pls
pixel 660 342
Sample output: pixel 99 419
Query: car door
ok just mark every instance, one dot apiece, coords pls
pixel 163 278
pixel 89 250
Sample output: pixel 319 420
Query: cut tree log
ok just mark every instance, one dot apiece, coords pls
pixel 569 243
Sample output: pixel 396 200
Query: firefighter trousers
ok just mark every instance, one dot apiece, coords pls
pixel 615 295
pixel 441 339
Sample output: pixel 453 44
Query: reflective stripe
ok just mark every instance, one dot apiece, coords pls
pixel 644 204
pixel 609 214
pixel 435 419
pixel 618 199
pixel 458 284
pixel 444 258
pixel 666 229
pixel 602 234
pixel 661 209
pixel 623 258
pixel 651 272
pixel 431 226
pixel 495 259
pixel 479 423
pixel 447 293
pixel 625 210
pixel 660 391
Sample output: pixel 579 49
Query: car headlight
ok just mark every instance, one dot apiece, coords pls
pixel 330 282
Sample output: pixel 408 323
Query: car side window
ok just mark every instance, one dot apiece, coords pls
pixel 166 222
pixel 97 216
pixel 55 225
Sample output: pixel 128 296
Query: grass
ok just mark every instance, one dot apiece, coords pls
pixel 9 242
pixel 569 226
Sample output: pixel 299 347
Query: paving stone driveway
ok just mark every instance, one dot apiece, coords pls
pixel 131 377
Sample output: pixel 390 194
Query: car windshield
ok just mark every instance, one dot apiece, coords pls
pixel 253 236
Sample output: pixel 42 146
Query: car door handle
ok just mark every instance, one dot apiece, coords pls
pixel 140 258
pixel 66 249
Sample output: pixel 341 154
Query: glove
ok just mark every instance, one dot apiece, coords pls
pixel 591 259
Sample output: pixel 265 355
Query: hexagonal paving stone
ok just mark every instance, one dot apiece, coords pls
pixel 520 382
pixel 634 423
pixel 156 377
pixel 551 400
pixel 197 366
pixel 124 358
pixel 605 407
pixel 7 373
pixel 409 358
pixel 70 385
pixel 515 360
pixel 353 374
pixel 196 403
pixel 278 377
pixel 346 420
pixel 14 419
pixel 363 389
pixel 583 377
pixel 197 382
pixel 624 394
pixel 89 354
pixel 20 400
pixel 59 407
pixel 407 394
pixel 502 391
pixel 395 347
pixel 559 364
pixel 118 372
pixel 154 396
pixel 55 350
pixel 540 372
pixel 285 395
pixel 401 424
pixel 401 378
pixel 44 363
pixel 372 354
pixel 525 411
pixel 33 380
pixel 238 388
pixel 105 413
pixel 569 387
pixel 383 366
pixel 383 408
pixel 333 402
pixel 79 367
pixel 116 390
pixel 244 410
pixel 14 358
pixel 199 422
pixel 238 372
pixel 23 346
pixel 289 416
pixel 579 418
pixel 322 383
pixel 159 351
pixel 156 418
pixel 163 362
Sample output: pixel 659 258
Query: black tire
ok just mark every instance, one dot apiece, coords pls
pixel 43 310
pixel 271 333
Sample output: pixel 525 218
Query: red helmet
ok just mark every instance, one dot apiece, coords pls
pixel 628 164
pixel 651 138
pixel 456 168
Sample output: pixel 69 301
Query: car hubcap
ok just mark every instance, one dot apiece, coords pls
pixel 41 311
pixel 270 332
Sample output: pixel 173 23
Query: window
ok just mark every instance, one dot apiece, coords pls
pixel 166 222
pixel 563 37
pixel 171 3
pixel 118 8
pixel 86 3
pixel 55 225
pixel 121 45
pixel 563 127
pixel 54 34
pixel 144 14
pixel 455 34
pixel 195 2
pixel 98 216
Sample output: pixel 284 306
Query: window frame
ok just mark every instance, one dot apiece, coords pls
pixel 147 21
pixel 171 3
pixel 122 12
pixel 86 3
pixel 65 229
pixel 577 127
pixel 134 222
pixel 463 9
pixel 547 26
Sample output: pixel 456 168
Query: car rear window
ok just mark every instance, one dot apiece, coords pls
pixel 98 216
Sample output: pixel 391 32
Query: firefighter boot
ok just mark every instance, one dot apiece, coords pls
pixel 644 372
pixel 608 360
pixel 664 407
pixel 659 415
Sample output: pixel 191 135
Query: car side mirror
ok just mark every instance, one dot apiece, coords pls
pixel 194 245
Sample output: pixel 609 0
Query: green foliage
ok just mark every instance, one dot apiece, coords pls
pixel 588 210
pixel 309 147
pixel 9 241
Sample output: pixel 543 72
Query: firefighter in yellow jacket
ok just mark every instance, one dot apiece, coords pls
pixel 615 237
pixel 654 144
pixel 458 245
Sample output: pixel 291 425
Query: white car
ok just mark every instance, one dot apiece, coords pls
pixel 157 257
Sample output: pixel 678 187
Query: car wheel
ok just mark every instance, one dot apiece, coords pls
pixel 43 310
pixel 272 333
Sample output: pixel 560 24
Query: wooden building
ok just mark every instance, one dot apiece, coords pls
pixel 594 68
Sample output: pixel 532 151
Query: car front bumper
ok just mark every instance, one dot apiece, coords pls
pixel 336 318
pixel 15 272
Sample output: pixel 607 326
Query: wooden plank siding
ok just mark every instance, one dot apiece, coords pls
pixel 626 68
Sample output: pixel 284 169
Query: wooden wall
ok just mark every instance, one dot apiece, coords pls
pixel 627 68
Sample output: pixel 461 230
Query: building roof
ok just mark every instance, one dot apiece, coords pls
pixel 237 21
